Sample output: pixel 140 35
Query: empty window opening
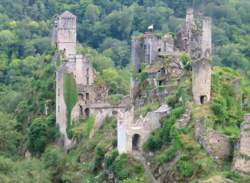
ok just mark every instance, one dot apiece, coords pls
pixel 81 110
pixel 159 49
pixel 87 96
pixel 163 71
pixel 87 80
pixel 203 99
pixel 135 142
pixel 160 83
pixel 86 112
pixel 81 96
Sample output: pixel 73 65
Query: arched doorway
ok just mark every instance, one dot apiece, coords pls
pixel 203 99
pixel 135 142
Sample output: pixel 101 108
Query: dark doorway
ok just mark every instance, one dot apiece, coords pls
pixel 135 142
pixel 86 112
pixel 203 99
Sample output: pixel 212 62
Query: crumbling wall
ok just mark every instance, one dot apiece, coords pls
pixel 214 143
pixel 241 160
pixel 128 127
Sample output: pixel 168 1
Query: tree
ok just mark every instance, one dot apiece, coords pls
pixel 42 131
pixel 9 137
pixel 92 13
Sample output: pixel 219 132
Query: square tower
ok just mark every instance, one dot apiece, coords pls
pixel 64 34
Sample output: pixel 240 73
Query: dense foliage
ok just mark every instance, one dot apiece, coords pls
pixel 27 74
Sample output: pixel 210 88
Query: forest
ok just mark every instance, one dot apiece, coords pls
pixel 28 132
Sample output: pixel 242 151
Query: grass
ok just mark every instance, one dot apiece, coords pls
pixel 70 97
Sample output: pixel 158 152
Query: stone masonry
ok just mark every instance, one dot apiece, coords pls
pixel 241 160
pixel 64 34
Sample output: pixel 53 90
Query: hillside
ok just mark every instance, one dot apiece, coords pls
pixel 179 151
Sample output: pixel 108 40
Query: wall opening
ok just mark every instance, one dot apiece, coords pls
pixel 86 112
pixel 159 49
pixel 135 142
pixel 160 83
pixel 87 96
pixel 81 110
pixel 203 99
pixel 81 96
pixel 87 80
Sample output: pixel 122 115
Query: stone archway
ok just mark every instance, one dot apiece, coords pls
pixel 136 142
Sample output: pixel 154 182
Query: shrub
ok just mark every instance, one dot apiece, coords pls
pixel 186 167
pixel 169 153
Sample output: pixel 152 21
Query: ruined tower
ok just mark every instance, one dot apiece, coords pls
pixel 201 83
pixel 64 34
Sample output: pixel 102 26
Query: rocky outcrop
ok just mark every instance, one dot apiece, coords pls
pixel 214 143
pixel 241 160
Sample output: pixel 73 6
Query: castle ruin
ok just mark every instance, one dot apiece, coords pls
pixel 151 54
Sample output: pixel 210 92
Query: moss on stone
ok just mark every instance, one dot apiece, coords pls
pixel 70 97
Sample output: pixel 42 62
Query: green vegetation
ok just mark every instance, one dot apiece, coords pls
pixel 70 97
pixel 83 128
pixel 27 75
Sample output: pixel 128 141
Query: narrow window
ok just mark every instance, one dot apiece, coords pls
pixel 87 96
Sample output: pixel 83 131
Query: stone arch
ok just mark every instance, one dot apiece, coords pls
pixel 136 142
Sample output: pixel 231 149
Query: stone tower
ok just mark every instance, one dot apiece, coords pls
pixel 64 34
pixel 201 65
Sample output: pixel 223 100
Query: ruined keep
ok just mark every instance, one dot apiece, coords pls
pixel 91 98
pixel 157 73
pixel 156 56
pixel 64 34
pixel 150 51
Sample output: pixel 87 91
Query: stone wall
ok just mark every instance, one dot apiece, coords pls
pixel 128 127
pixel 214 143
pixel 241 160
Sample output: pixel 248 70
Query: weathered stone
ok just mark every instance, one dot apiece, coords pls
pixel 129 128
pixel 241 160
pixel 215 144
pixel 64 34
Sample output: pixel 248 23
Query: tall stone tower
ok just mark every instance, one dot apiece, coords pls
pixel 201 65
pixel 64 34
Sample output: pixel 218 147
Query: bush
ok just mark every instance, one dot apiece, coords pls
pixel 186 167
pixel 42 131
pixel 169 153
